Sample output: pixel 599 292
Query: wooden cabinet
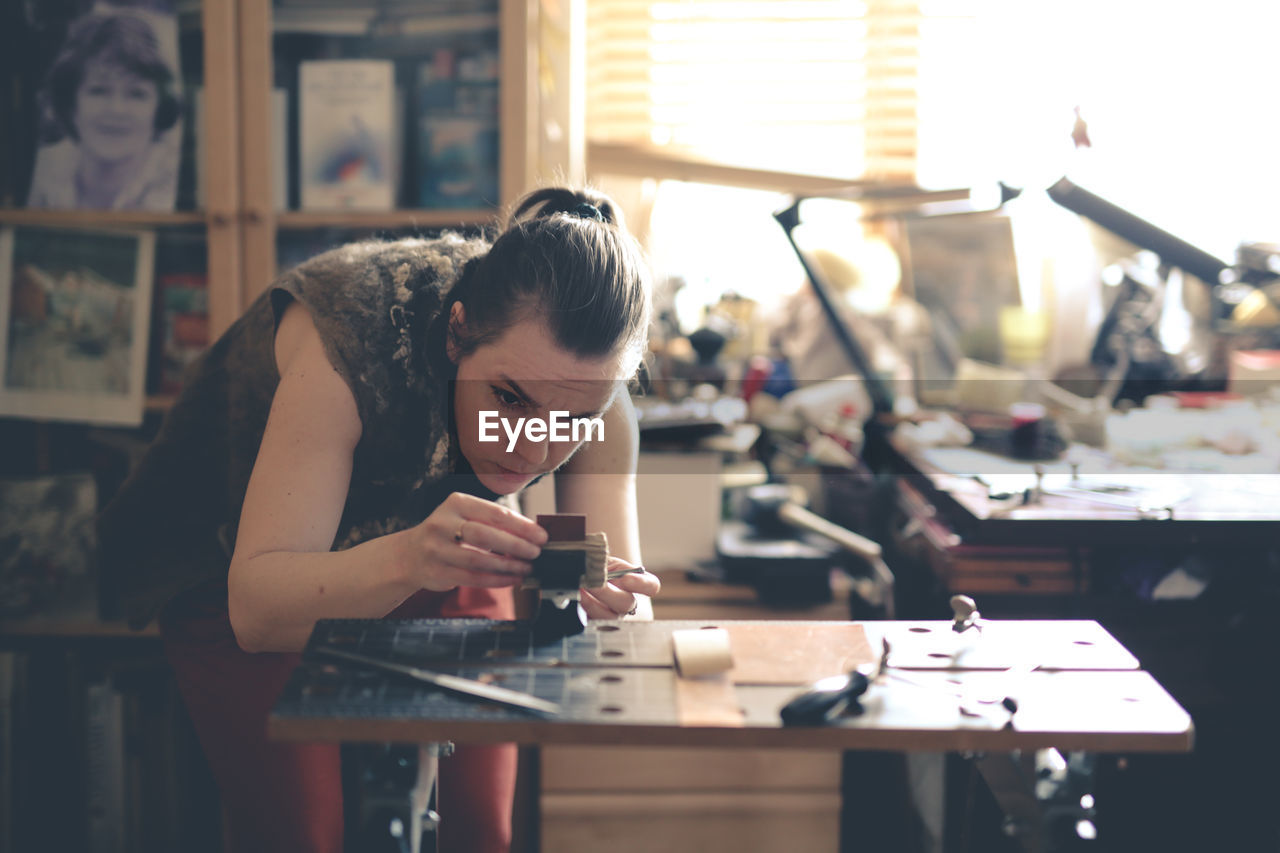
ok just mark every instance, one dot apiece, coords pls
pixel 627 799
pixel 234 62
pixel 207 61
pixel 527 113
pixel 228 229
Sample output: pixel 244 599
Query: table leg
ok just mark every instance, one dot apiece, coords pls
pixel 422 818
pixel 1047 798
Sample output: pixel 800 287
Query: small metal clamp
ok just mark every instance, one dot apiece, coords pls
pixel 966 614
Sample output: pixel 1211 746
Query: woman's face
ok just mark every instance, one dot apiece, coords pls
pixel 526 374
pixel 115 112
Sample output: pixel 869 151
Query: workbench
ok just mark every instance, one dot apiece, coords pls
pixel 968 521
pixel 994 500
pixel 1077 691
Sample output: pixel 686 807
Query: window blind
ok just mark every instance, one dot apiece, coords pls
pixel 811 87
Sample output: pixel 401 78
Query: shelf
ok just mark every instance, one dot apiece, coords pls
pixel 99 218
pixel 363 219
pixel 159 402
pixel 73 615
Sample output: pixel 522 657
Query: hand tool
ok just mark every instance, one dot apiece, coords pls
pixel 455 683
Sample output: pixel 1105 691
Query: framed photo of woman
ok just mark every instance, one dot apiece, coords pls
pixel 110 111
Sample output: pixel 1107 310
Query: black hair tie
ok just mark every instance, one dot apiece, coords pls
pixel 586 210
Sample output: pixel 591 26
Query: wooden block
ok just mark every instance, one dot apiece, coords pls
pixel 564 526
pixel 596 548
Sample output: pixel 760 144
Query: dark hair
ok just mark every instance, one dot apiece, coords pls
pixel 565 256
pixel 120 39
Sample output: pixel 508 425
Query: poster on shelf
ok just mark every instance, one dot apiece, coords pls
pixel 109 115
pixel 46 527
pixel 459 162
pixel 457 141
pixel 74 323
pixel 346 117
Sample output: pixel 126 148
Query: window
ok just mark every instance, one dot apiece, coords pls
pixel 818 87
pixel 950 93
pixel 1173 95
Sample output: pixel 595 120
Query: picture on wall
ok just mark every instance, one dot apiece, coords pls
pixel 76 316
pixel 109 128
pixel 961 268
pixel 47 538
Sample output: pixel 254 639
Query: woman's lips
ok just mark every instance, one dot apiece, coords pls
pixel 114 130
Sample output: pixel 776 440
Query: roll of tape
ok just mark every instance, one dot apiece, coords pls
pixel 702 651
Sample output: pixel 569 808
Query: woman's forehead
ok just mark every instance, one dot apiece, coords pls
pixel 105 69
pixel 527 352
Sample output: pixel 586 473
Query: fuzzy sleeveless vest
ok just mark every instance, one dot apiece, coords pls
pixel 378 307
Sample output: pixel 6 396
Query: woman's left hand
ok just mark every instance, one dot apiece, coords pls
pixel 620 596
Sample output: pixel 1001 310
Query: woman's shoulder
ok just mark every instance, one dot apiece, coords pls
pixel 409 262
pixel 373 303
pixel 53 181
pixel 155 187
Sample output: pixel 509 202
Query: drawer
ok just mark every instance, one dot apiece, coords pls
pixel 601 769
pixel 1010 574
pixel 766 822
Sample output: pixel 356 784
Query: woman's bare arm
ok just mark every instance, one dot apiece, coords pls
pixel 283 577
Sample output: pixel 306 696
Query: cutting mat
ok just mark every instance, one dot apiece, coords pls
pixel 616 684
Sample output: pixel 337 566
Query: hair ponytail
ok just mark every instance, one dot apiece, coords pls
pixel 549 201
pixel 565 257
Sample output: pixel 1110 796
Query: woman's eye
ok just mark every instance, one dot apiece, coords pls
pixel 507 398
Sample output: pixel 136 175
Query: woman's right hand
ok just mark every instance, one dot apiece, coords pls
pixel 469 541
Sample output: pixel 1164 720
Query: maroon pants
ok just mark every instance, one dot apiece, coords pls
pixel 286 797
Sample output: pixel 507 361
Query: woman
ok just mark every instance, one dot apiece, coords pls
pixel 325 460
pixel 110 95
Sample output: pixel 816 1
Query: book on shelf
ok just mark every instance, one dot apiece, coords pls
pixel 104 710
pixel 10 688
pixel 383 17
pixel 340 21
pixel 184 326
pixel 346 128
pixel 180 309
pixel 457 141
pixel 356 21
pixel 432 25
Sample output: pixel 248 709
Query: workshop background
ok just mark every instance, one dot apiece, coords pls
pixel 995 284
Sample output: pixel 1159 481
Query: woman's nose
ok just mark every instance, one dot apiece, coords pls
pixel 532 453
pixel 122 102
